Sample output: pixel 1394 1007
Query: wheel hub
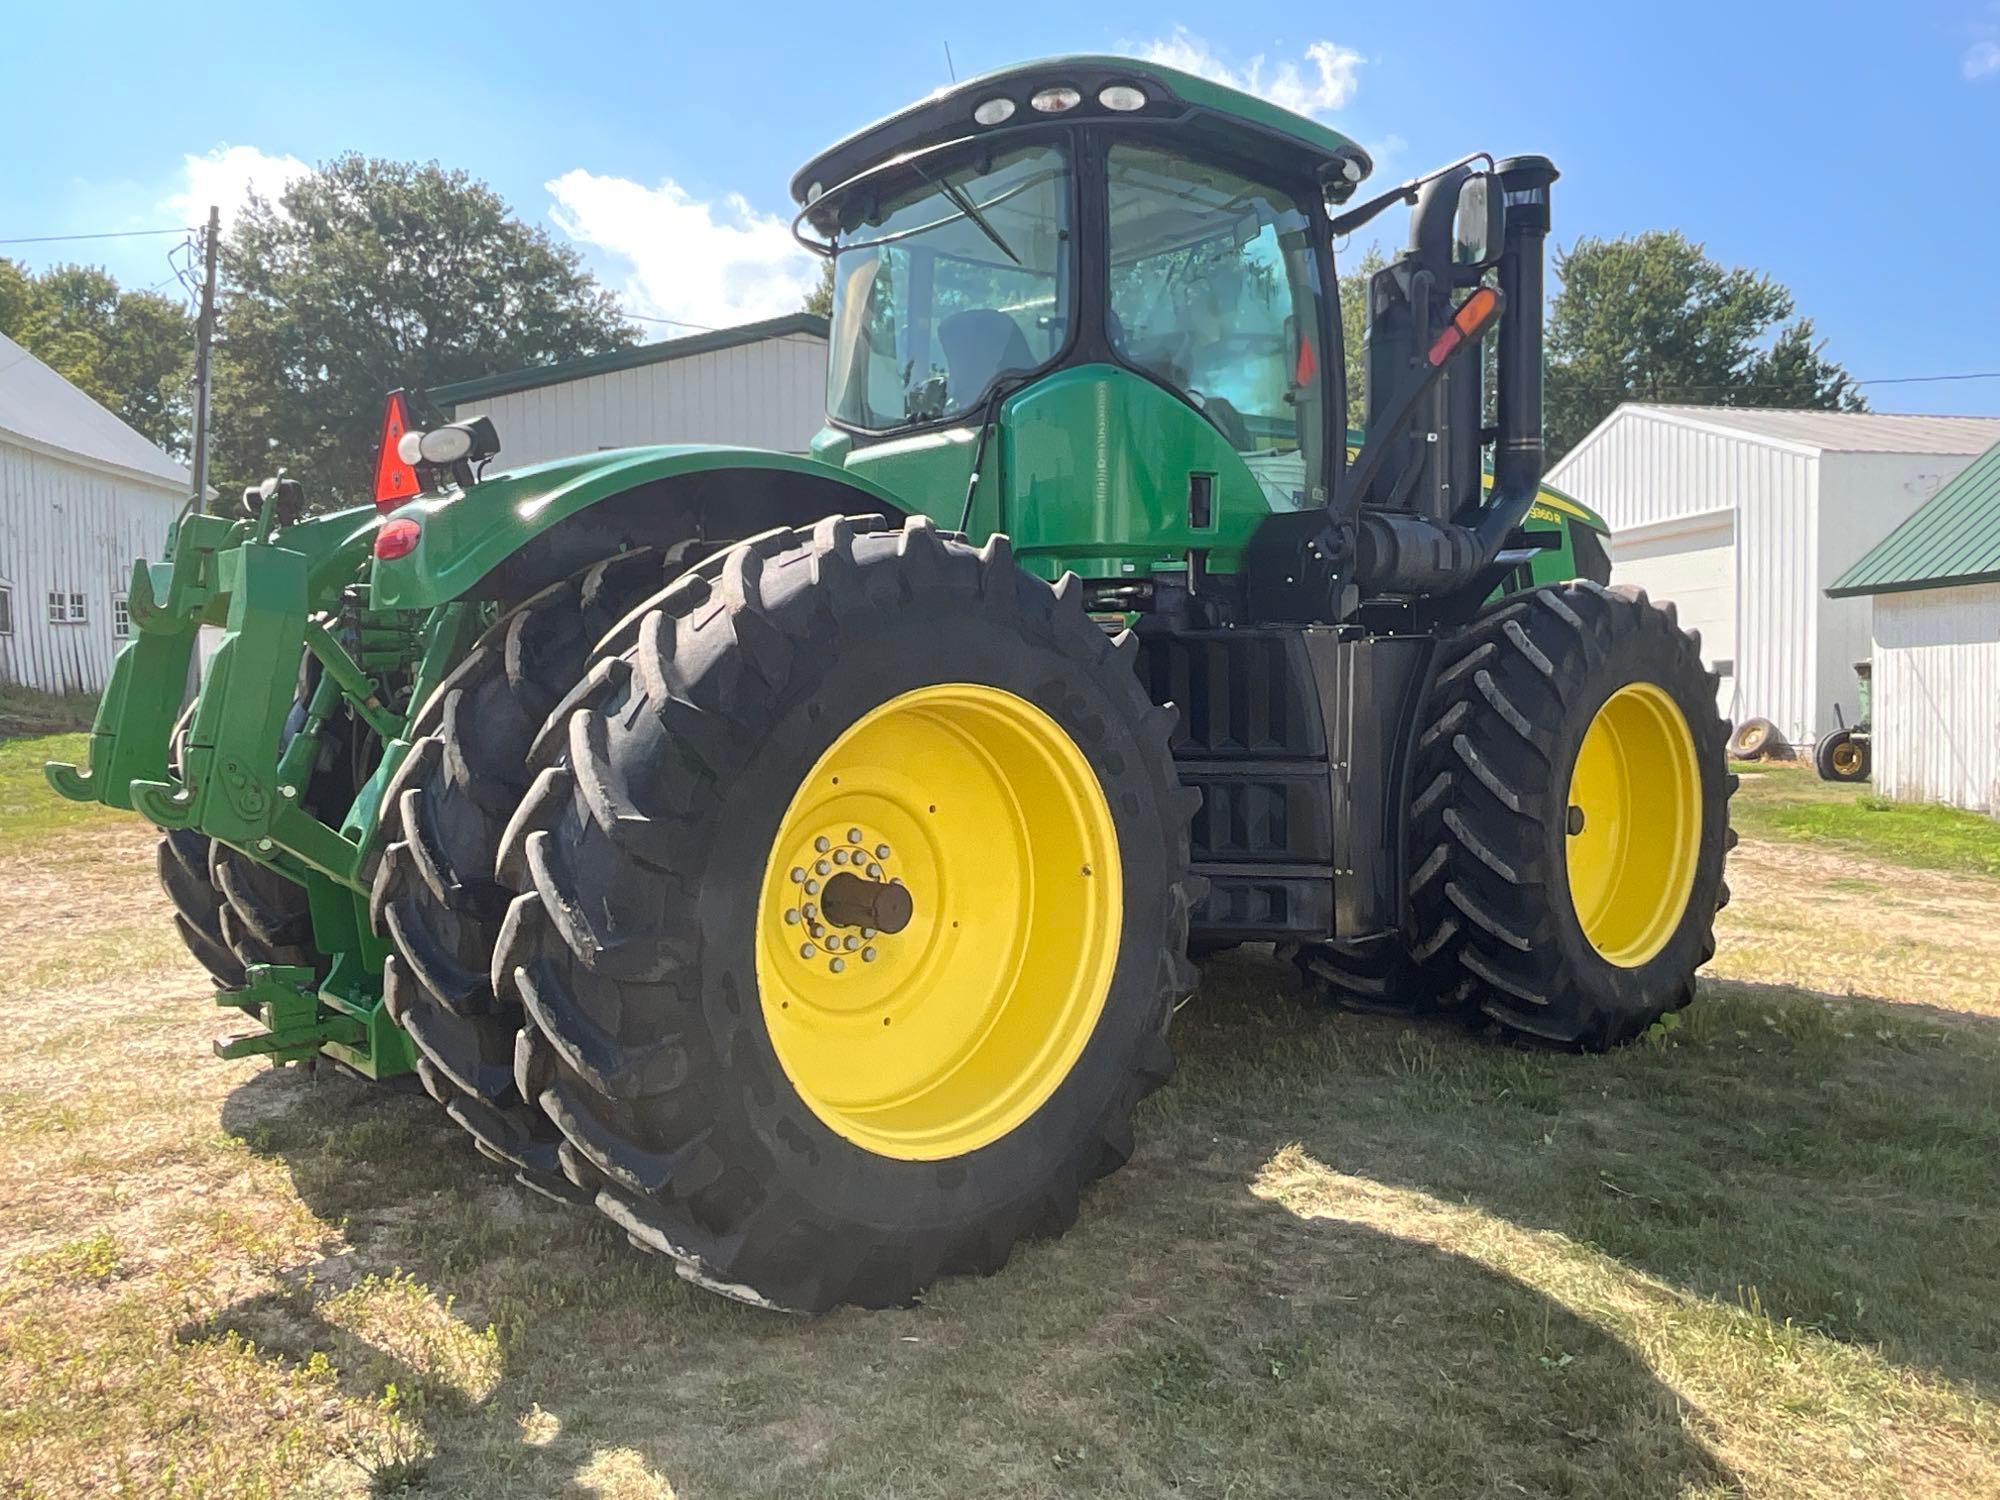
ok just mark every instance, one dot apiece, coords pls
pixel 844 902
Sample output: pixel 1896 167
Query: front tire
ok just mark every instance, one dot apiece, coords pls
pixel 796 1123
pixel 1571 818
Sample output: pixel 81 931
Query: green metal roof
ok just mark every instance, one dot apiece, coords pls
pixel 948 113
pixel 532 376
pixel 1953 539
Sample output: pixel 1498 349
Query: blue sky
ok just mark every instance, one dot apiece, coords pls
pixel 1845 147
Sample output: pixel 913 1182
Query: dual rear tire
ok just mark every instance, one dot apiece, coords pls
pixel 434 893
pixel 850 904
pixel 231 912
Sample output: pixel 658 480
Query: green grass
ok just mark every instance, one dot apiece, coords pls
pixel 29 808
pixel 1794 804
pixel 27 711
pixel 1352 1257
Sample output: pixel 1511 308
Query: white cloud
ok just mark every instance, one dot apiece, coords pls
pixel 226 177
pixel 1982 59
pixel 711 263
pixel 1324 83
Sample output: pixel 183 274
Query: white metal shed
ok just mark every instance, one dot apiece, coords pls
pixel 81 496
pixel 762 385
pixel 1934 583
pixel 1743 516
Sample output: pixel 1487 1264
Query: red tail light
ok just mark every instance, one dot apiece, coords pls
pixel 397 538
pixel 395 480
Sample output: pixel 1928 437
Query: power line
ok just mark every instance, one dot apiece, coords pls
pixel 1924 379
pixel 674 322
pixel 121 234
pixel 1674 388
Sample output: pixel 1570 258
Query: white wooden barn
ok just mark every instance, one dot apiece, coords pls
pixel 1743 516
pixel 762 385
pixel 1934 583
pixel 82 496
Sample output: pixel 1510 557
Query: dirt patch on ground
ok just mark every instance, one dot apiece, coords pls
pixel 1848 925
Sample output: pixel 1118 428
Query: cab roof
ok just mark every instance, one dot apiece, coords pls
pixel 1171 96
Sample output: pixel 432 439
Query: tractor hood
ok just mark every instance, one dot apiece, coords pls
pixel 462 535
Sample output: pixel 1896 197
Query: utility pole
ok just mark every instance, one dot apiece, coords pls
pixel 204 339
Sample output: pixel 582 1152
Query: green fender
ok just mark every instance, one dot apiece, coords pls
pixel 466 534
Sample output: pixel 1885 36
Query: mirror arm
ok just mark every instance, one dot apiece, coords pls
pixel 1402 192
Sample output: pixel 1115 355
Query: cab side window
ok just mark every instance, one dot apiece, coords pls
pixel 1215 292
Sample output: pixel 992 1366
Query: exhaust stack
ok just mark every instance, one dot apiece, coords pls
pixel 1517 456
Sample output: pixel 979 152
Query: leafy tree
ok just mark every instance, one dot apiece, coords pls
pixel 1653 317
pixel 1354 332
pixel 366 275
pixel 132 352
pixel 819 301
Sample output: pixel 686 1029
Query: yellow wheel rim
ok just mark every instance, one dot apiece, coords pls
pixel 937 1039
pixel 1634 830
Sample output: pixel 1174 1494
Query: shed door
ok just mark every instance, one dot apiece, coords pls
pixel 1694 565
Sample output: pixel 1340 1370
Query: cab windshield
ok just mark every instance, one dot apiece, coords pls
pixel 960 278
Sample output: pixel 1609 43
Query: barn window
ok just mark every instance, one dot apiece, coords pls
pixel 6 609
pixel 121 617
pixel 66 609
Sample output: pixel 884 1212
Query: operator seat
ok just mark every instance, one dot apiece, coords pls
pixel 979 345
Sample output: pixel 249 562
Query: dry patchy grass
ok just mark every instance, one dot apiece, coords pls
pixel 1353 1256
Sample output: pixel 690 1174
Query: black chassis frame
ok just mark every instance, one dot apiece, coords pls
pixel 1300 740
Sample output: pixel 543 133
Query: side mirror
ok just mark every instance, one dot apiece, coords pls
pixel 1479 225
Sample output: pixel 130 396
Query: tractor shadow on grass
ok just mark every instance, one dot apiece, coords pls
pixel 1827 1160
pixel 1196 1331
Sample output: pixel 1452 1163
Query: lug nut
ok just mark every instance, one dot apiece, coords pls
pixel 822 843
pixel 823 868
pixel 850 942
pixel 868 932
pixel 840 856
pixel 854 835
pixel 874 872
pixel 837 965
pixel 868 955
pixel 811 911
pixel 797 874
pixel 881 851
pixel 792 916
pixel 807 950
pixel 812 887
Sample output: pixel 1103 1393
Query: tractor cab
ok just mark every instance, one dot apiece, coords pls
pixel 1093 302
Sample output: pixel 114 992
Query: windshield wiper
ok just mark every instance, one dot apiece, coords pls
pixel 965 206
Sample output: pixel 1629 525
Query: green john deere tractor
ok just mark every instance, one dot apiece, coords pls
pixel 799 856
